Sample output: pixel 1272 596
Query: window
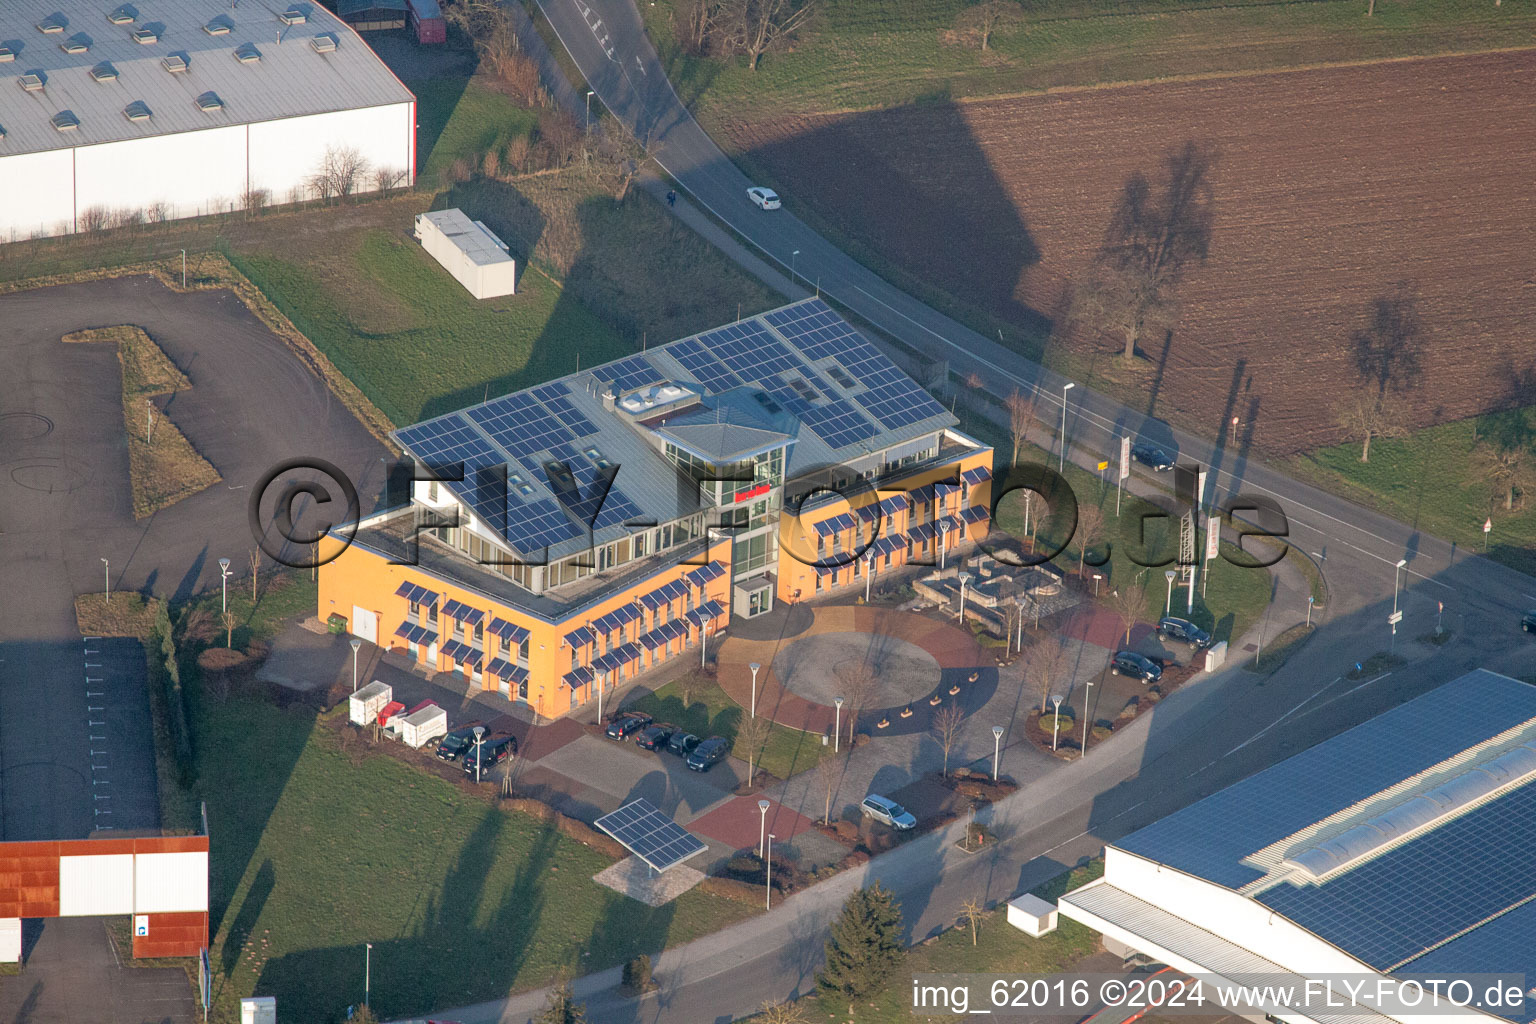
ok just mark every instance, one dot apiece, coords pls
pixel 432 491
pixel 415 609
pixel 432 613
pixel 480 632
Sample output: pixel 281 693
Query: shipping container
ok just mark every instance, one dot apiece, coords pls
pixel 369 701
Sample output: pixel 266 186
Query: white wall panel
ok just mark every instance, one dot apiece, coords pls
pixel 166 882
pixel 193 173
pixel 286 153
pixel 10 940
pixel 95 886
pixel 36 194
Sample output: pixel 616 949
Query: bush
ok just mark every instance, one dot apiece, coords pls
pixel 744 866
pixel 1101 733
pixel 732 889
pixel 847 831
pixel 637 974
pixel 1048 723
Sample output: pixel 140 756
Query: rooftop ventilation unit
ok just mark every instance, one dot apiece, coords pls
pixel 51 24
pixel 7 54
pixel 32 81
pixel 174 63
pixel 75 44
pixel 209 101
pixel 293 16
pixel 144 36
pixel 138 110
pixel 124 15
pixel 64 121
pixel 219 26
pixel 325 43
pixel 104 72
pixel 246 53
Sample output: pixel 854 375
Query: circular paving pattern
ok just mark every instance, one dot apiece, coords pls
pixel 23 426
pixel 813 667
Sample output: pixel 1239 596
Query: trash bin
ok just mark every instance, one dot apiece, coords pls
pixel 336 623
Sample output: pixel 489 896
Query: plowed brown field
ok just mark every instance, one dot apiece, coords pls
pixel 1331 188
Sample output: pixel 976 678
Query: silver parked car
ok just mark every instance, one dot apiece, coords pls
pixel 888 812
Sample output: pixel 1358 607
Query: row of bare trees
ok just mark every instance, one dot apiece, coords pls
pixel 749 28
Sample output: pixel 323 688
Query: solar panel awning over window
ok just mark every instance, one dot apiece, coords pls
pixel 888 545
pixel 578 677
pixel 706 613
pixel 415 634
pixel 616 619
pixel 416 594
pixel 921 533
pixel 703 575
pixel 974 514
pixel 836 524
pixel 976 475
pixel 507 672
pixel 461 652
pixel 617 657
pixel 650 835
pixel 463 612
pixel 654 639
pixel 664 594
pixel 509 632
pixel 579 637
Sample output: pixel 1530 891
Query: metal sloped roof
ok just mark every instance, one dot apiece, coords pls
pixel 290 79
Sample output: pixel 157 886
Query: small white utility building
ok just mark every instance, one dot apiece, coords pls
pixel 469 251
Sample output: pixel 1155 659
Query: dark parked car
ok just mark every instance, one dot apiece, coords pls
pixel 456 742
pixel 707 754
pixel 1129 663
pixel 1184 631
pixel 682 743
pixel 492 751
pixel 1151 456
pixel 655 737
pixel 624 725
pixel 1529 622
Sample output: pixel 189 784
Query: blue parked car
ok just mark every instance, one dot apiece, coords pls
pixel 707 754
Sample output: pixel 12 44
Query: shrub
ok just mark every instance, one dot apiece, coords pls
pixel 1048 723
pixel 847 831
pixel 637 974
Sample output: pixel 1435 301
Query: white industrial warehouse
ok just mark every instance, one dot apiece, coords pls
pixel 1399 848
pixel 114 113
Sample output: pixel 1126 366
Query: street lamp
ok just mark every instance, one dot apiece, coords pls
pixel 590 94
pixel 479 732
pixel 1056 725
pixel 1068 386
pixel 1169 574
pixel 356 643
pixel 106 576
pixel 997 749
pixel 1087 717
pixel 754 667
pixel 762 825
pixel 367 970
pixel 704 631
pixel 943 541
pixel 1310 602
pixel 965 578
pixel 1397 616
pixel 869 577
pixel 1096 577
pixel 224 580
pixel 183 270
pixel 837 727
pixel 768 876
pixel 792 264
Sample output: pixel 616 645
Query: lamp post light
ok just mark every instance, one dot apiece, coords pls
pixel 768 876
pixel 792 264
pixel 869 577
pixel 367 970
pixel 762 825
pixel 356 643
pixel 106 576
pixel 1096 578
pixel 965 578
pixel 943 541
pixel 704 631
pixel 183 270
pixel 224 575
pixel 754 667
pixel 1310 602
pixel 1056 725
pixel 1087 718
pixel 1169 574
pixel 1068 386
pixel 479 732
pixel 1397 616
pixel 590 94
pixel 997 749
pixel 837 727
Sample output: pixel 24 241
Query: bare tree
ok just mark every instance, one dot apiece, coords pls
pixel 1128 603
pixel 828 772
pixel 946 729
pixel 751 734
pixel 229 621
pixel 695 23
pixel 978 23
pixel 972 913
pixel 255 561
pixel 858 682
pixel 687 689
pixel 1504 461
pixel 1369 416
pixel 781 1013
pixel 757 25
pixel 341 172
pixel 1155 232
pixel 1047 661
pixel 1090 530
pixel 1021 416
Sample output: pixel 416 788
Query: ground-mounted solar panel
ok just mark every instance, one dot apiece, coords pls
pixel 629 373
pixel 650 835
pixel 706 369
pixel 838 423
pixel 557 399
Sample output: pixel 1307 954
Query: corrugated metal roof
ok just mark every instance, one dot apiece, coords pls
pixel 290 79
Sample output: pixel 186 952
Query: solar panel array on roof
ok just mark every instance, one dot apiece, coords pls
pixel 697 360
pixel 630 373
pixel 650 835
pixel 557 397
pixel 519 424
pixel 838 423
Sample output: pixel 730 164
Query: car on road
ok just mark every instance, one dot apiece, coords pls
pixel 1151 456
pixel 1184 631
pixel 626 724
pixel 1529 622
pixel 682 743
pixel 708 754
pixel 492 750
pixel 888 812
pixel 766 198
pixel 655 737
pixel 457 741
pixel 1139 666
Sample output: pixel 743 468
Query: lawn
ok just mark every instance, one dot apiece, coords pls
pixel 462 119
pixel 861 54
pixel 1233 598
pixel 713 713
pixel 1423 480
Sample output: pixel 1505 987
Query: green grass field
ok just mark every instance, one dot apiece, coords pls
pixel 458 118
pixel 786 752
pixel 861 54
pixel 1423 480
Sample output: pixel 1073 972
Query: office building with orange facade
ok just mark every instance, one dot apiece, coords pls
pixel 564 539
